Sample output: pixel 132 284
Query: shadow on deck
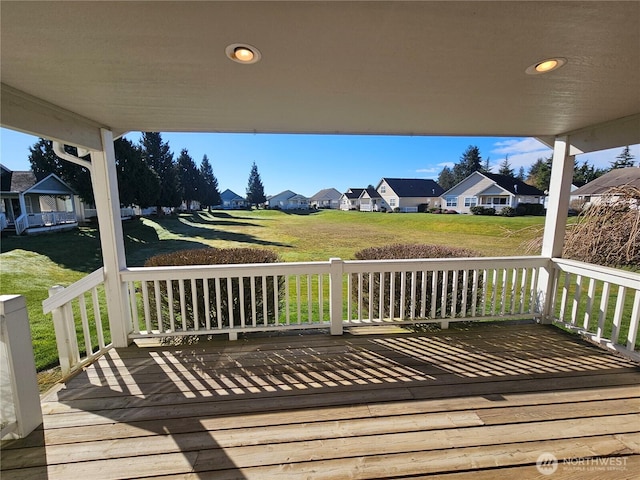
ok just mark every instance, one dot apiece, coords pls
pixel 481 401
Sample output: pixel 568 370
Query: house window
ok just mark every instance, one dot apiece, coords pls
pixel 470 201
pixel 452 201
pixel 392 202
pixel 383 189
pixel 499 200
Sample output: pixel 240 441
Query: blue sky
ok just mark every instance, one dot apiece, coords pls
pixel 308 163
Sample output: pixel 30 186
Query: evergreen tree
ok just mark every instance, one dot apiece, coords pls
pixel 521 175
pixel 157 155
pixel 255 189
pixel 585 173
pixel 470 162
pixel 208 193
pixel 138 183
pixel 44 161
pixel 446 179
pixel 486 167
pixel 189 178
pixel 624 160
pixel 505 168
pixel 540 174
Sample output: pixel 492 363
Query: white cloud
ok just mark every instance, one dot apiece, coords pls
pixel 515 147
pixel 522 153
pixel 435 170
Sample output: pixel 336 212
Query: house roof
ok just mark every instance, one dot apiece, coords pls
pixel 26 181
pixel 353 193
pixel 16 182
pixel 371 192
pixel 513 185
pixel 326 67
pixel 230 195
pixel 615 178
pixel 413 187
pixel 326 194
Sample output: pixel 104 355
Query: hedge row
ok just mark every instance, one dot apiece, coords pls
pixel 403 251
pixel 215 256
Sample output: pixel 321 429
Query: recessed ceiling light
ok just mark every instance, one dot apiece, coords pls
pixel 243 53
pixel 546 66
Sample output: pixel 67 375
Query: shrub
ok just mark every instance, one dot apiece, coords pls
pixel 508 212
pixel 214 256
pixel 479 210
pixel 536 209
pixel 401 251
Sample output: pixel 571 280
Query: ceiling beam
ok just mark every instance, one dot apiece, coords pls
pixel 26 113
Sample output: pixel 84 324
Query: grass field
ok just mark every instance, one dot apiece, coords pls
pixel 30 265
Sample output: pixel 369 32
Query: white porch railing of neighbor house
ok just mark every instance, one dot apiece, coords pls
pixel 47 219
pixel 22 223
pixel 601 303
pixel 229 299
pixel 79 320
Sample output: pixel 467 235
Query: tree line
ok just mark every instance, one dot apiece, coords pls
pixel 538 174
pixel 148 175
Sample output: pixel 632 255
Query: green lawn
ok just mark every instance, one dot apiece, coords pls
pixel 30 265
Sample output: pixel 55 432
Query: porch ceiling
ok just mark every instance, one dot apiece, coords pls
pixel 427 68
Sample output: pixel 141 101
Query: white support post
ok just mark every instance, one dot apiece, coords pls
pixel 335 295
pixel 20 398
pixel 555 221
pixel 105 190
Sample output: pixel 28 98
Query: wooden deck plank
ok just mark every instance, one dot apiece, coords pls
pixel 362 414
pixel 486 400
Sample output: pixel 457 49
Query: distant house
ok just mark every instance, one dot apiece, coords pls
pixel 327 198
pixel 288 200
pixel 371 201
pixel 489 190
pixel 350 200
pixel 29 205
pixel 592 192
pixel 232 201
pixel 407 194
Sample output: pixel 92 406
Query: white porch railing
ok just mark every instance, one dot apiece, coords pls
pixel 4 223
pixel 125 212
pixel 79 340
pixel 22 223
pixel 47 219
pixel 601 303
pixel 20 411
pixel 228 299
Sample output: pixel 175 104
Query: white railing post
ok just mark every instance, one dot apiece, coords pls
pixel 335 295
pixel 20 399
pixel 66 339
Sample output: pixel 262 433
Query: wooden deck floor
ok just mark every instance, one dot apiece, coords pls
pixel 480 402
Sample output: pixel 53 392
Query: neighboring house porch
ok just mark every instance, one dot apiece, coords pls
pixel 490 190
pixel 288 200
pixel 409 195
pixel 31 206
pixel 232 201
pixel 350 200
pixel 371 201
pixel 328 198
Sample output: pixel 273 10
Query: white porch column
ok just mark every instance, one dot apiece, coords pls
pixel 23 204
pixel 105 191
pixel 555 221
